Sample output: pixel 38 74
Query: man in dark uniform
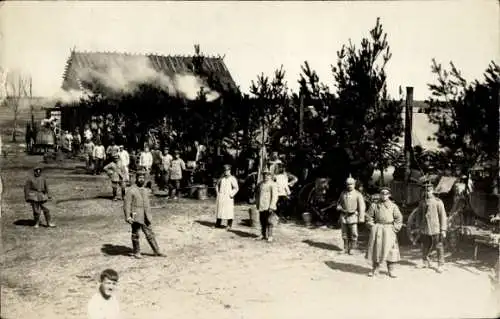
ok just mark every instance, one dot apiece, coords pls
pixel 137 209
pixel 433 222
pixel 36 192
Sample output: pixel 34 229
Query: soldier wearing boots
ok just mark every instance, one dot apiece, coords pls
pixel 267 198
pixel 431 217
pixel 351 206
pixel 137 211
pixel 116 173
pixel 384 220
pixel 36 192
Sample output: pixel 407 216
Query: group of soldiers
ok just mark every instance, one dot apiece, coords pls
pixel 383 218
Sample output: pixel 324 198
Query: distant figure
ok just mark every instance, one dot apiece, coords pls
pixel 384 220
pixel 433 222
pixel 166 161
pixel 284 181
pixel 137 210
pixel 36 192
pixel 99 156
pixel 226 189
pixel 266 200
pixel 177 166
pixel 146 160
pixel 104 304
pixel 125 160
pixel 352 207
pixel 116 172
pixel 88 151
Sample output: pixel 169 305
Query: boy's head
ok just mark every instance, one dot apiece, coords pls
pixel 108 280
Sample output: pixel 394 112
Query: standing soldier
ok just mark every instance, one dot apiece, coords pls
pixel 267 198
pixel 137 211
pixel 88 149
pixel 352 207
pixel 384 220
pixel 116 173
pixel 431 217
pixel 125 160
pixel 226 189
pixel 36 193
pixel 98 157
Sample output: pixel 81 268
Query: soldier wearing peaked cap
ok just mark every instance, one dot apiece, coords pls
pixel 36 192
pixel 226 188
pixel 351 206
pixel 432 220
pixel 266 202
pixel 384 220
pixel 137 210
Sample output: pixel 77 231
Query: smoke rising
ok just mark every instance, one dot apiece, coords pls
pixel 124 74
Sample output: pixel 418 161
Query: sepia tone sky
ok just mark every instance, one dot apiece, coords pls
pixel 36 37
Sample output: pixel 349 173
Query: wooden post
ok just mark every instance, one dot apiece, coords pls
pixel 408 139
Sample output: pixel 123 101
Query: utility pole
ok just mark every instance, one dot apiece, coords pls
pixel 408 139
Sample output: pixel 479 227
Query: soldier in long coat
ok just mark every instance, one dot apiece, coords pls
pixel 351 206
pixel 226 189
pixel 36 192
pixel 137 210
pixel 116 173
pixel 432 220
pixel 384 220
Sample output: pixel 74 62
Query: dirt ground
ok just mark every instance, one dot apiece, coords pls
pixel 209 273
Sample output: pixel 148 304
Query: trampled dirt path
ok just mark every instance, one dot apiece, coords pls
pixel 209 273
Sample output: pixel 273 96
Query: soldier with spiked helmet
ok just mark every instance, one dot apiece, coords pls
pixel 351 206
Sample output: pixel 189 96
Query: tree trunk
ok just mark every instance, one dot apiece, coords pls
pixel 14 137
pixel 382 179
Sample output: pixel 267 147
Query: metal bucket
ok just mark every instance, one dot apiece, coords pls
pixel 201 192
pixel 307 218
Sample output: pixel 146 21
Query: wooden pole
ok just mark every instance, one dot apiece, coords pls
pixel 408 138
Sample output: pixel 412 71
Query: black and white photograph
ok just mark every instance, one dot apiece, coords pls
pixel 250 159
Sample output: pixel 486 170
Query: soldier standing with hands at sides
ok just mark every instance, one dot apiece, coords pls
pixel 384 220
pixel 226 189
pixel 36 192
pixel 116 173
pixel 431 217
pixel 137 210
pixel 267 198
pixel 352 211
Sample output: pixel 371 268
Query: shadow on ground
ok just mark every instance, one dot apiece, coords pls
pixel 24 222
pixel 322 245
pixel 243 234
pixel 350 268
pixel 205 223
pixel 116 250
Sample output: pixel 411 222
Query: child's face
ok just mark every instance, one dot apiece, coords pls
pixel 107 287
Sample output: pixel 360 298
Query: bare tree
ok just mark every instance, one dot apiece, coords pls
pixel 16 86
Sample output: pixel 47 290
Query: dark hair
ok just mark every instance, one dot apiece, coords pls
pixel 110 274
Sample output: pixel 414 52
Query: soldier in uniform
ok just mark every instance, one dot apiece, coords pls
pixel 384 220
pixel 432 220
pixel 267 198
pixel 351 206
pixel 137 210
pixel 116 173
pixel 36 192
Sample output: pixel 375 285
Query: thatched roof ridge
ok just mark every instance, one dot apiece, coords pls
pixel 168 64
